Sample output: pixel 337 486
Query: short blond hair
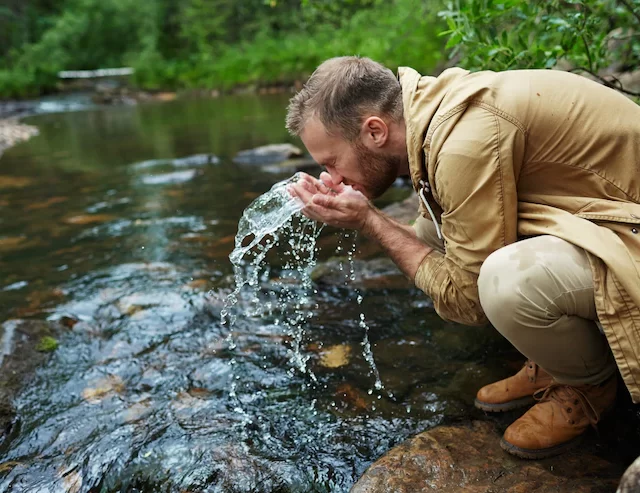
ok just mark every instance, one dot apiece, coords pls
pixel 341 92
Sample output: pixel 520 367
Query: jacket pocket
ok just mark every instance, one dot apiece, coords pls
pixel 611 211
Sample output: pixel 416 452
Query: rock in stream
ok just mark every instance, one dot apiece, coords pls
pixel 468 458
pixel 24 345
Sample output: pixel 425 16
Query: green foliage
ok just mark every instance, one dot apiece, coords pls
pixel 218 43
pixel 47 344
pixel 506 34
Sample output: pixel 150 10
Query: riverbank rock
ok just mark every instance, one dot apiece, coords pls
pixel 468 458
pixel 24 346
pixel 630 482
pixel 13 132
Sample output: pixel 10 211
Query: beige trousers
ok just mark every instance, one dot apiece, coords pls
pixel 538 293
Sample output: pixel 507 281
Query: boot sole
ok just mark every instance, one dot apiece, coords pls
pixel 504 406
pixel 544 453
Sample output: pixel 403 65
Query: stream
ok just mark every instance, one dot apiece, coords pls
pixel 122 219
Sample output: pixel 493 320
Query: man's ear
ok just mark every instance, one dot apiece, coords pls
pixel 374 132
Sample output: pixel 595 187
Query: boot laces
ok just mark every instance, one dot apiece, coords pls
pixel 568 397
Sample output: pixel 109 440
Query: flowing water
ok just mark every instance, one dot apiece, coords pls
pixel 122 221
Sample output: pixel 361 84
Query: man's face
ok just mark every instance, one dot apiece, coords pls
pixel 368 171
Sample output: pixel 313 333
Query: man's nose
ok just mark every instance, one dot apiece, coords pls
pixel 336 177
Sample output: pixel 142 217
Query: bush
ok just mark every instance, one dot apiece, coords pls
pixel 221 43
pixel 588 36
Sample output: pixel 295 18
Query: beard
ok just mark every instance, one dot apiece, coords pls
pixel 379 171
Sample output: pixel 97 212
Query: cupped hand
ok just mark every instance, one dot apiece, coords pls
pixel 332 203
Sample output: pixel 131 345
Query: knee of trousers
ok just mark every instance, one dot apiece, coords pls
pixel 503 288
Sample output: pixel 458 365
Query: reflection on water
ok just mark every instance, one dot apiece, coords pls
pixel 100 222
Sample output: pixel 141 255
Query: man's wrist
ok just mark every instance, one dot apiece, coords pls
pixel 370 222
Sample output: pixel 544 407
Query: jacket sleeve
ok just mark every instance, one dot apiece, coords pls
pixel 475 184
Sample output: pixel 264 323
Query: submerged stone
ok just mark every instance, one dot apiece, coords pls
pixel 379 273
pixel 14 181
pixel 83 219
pixel 468 458
pixel 335 356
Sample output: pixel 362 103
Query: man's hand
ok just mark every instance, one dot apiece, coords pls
pixel 336 204
pixel 341 206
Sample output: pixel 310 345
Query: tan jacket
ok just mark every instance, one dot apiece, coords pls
pixel 524 153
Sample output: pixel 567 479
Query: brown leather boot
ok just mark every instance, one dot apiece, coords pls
pixel 515 391
pixel 563 413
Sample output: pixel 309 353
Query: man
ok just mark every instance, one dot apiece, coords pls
pixel 530 190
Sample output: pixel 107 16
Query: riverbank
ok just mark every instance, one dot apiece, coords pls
pixel 13 132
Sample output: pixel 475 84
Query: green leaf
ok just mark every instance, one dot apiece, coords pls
pixel 454 40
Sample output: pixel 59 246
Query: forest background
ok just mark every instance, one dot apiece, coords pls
pixel 225 44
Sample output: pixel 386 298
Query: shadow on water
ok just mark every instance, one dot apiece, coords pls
pixel 136 397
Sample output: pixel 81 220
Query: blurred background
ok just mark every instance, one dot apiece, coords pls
pixel 225 44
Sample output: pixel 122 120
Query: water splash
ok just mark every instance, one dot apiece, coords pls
pixel 366 344
pixel 273 220
pixel 286 300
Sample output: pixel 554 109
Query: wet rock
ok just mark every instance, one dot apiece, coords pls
pixel 83 219
pixel 15 109
pixel 14 181
pixel 9 243
pixel 45 204
pixel 306 164
pixel 198 285
pixel 102 388
pixel 379 273
pixel 37 300
pixel 630 482
pixel 19 358
pixel 13 132
pixel 196 160
pixel 335 356
pixel 269 154
pixel 351 397
pixel 404 211
pixel 468 458
pixel 173 178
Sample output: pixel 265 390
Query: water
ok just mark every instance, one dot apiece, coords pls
pixel 273 217
pixel 136 397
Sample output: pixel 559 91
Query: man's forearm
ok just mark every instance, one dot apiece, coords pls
pixel 398 240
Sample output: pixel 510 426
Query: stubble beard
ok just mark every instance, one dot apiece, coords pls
pixel 379 171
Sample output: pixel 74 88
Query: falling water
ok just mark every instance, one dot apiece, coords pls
pixel 273 220
pixel 366 345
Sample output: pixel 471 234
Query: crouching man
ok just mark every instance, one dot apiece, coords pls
pixel 530 215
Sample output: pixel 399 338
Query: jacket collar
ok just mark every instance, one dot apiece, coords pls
pixel 421 99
